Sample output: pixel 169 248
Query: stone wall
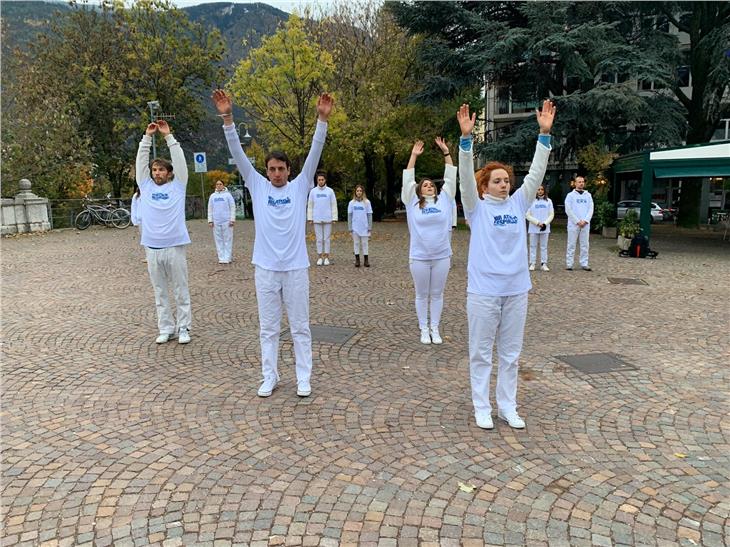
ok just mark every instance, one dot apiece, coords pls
pixel 26 212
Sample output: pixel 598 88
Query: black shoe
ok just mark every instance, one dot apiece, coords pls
pixel 569 269
pixel 586 269
pixel 366 263
pixel 357 261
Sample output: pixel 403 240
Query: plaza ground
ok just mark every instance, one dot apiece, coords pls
pixel 110 439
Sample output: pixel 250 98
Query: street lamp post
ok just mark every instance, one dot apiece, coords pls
pixel 246 140
pixel 154 106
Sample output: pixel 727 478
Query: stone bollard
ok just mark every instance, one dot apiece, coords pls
pixel 26 212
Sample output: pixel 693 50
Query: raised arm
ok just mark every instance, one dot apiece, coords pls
pixel 142 166
pixel 224 106
pixel 467 180
pixel 408 191
pixel 534 177
pixel 324 109
pixel 177 156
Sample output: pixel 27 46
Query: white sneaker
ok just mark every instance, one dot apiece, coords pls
pixel 184 336
pixel 544 267
pixel 267 386
pixel 326 262
pixel 425 336
pixel 319 261
pixel 165 337
pixel 484 421
pixel 435 336
pixel 304 389
pixel 532 267
pixel 513 419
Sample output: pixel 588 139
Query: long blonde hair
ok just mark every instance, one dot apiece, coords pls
pixel 364 195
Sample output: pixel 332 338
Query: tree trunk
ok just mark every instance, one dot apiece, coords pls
pixel 370 178
pixel 390 183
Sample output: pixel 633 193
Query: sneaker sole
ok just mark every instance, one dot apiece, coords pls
pixel 509 424
pixel 304 393
pixel 265 394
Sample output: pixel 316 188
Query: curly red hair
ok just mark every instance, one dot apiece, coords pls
pixel 485 173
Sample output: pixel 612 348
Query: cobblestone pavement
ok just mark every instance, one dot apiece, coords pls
pixel 110 439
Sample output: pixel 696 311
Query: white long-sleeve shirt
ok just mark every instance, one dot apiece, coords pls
pixel 279 212
pixel 497 264
pixel 429 227
pixel 322 205
pixel 579 206
pixel 541 212
pixel 221 207
pixel 162 206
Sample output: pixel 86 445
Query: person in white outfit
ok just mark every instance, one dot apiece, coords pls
pixel 540 215
pixel 280 251
pixel 322 213
pixel 222 218
pixel 165 235
pixel 498 280
pixel 579 208
pixel 360 224
pixel 430 215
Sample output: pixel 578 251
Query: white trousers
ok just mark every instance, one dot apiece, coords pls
pixel 223 235
pixel 577 234
pixel 429 278
pixel 501 318
pixel 323 233
pixel 360 242
pixel 168 268
pixel 292 289
pixel 543 240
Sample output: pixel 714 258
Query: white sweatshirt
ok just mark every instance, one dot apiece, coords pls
pixel 497 264
pixel 541 212
pixel 579 206
pixel 279 213
pixel 360 214
pixel 322 205
pixel 221 207
pixel 429 227
pixel 162 206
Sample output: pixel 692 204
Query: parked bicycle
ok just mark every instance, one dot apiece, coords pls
pixel 106 214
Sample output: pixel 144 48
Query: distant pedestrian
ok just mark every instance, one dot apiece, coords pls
pixel 360 224
pixel 322 213
pixel 540 215
pixel 222 218
pixel 579 208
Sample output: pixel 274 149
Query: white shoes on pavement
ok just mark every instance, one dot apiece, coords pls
pixel 268 386
pixel 165 337
pixel 435 336
pixel 544 267
pixel 512 418
pixel 484 421
pixel 425 335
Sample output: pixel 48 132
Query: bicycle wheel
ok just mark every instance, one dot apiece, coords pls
pixel 120 218
pixel 82 220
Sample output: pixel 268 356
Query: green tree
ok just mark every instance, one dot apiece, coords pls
pixel 588 56
pixel 105 62
pixel 278 85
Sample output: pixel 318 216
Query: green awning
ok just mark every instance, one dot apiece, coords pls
pixel 688 172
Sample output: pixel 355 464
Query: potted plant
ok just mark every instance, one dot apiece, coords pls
pixel 605 218
pixel 627 229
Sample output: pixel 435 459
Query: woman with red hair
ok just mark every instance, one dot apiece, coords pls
pixel 498 276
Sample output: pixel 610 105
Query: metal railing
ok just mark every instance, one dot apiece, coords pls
pixel 62 212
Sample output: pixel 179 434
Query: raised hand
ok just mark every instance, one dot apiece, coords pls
pixel 466 122
pixel 151 129
pixel 441 143
pixel 546 117
pixel 222 101
pixel 163 128
pixel 417 148
pixel 324 106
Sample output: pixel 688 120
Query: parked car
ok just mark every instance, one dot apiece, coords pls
pixel 657 213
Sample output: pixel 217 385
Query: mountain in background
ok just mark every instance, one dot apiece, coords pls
pixel 23 21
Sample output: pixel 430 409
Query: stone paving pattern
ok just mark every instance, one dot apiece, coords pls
pixel 109 439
